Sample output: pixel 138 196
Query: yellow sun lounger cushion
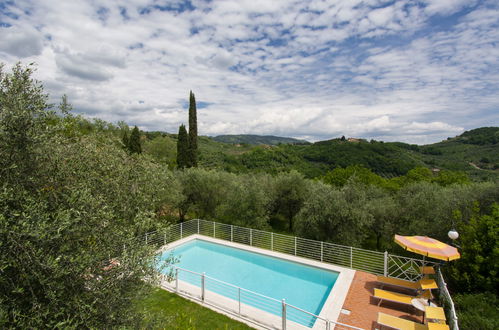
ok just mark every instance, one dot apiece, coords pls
pixel 398 323
pixel 434 313
pixel 393 296
pixel 398 283
pixel 427 283
pixel 437 326
pixel 424 284
pixel 427 270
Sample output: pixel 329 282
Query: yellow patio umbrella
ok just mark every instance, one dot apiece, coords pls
pixel 428 246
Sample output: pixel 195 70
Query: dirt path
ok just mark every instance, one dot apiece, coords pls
pixel 474 165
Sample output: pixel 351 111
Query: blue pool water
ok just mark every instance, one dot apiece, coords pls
pixel 302 286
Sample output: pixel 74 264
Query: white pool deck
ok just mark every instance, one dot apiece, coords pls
pixel 255 317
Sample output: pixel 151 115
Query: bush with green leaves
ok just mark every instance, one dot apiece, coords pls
pixel 477 311
pixel 71 207
pixel 478 268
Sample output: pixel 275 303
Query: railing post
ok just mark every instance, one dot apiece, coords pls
pixel 295 245
pixel 231 233
pixel 251 237
pixel 198 226
pixel 214 232
pixel 328 325
pixel 283 316
pixel 322 251
pixel 202 286
pixel 272 241
pixel 239 299
pixel 176 279
pixel 351 257
pixel 146 238
pixel 385 264
pixel 181 229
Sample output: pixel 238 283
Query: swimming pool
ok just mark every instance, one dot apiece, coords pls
pixel 303 286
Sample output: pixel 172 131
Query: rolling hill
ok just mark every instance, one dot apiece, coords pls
pixel 257 139
pixel 475 152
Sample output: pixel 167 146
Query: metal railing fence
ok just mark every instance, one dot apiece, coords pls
pixel 243 302
pixel 447 301
pixel 379 263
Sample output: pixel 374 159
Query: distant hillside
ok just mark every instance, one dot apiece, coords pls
pixel 316 159
pixel 480 136
pixel 257 139
pixel 475 152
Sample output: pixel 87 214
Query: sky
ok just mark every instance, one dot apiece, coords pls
pixel 411 71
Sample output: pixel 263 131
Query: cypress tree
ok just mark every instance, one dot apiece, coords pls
pixel 182 148
pixel 193 131
pixel 134 141
pixel 125 140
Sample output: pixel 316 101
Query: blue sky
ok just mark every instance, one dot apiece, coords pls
pixel 412 71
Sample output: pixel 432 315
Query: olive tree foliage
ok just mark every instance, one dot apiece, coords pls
pixel 23 110
pixel 203 191
pixel 477 310
pixel 248 203
pixel 70 206
pixel 478 268
pixel 385 213
pixel 432 210
pixel 64 106
pixel 289 192
pixel 340 176
pixel 335 215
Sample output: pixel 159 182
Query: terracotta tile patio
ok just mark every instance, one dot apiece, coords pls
pixel 364 308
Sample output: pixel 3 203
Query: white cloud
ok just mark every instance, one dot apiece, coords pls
pixel 446 7
pixel 21 42
pixel 315 68
pixel 381 16
pixel 78 66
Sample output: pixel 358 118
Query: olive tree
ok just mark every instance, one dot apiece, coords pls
pixel 248 203
pixel 288 196
pixel 70 210
pixel 335 215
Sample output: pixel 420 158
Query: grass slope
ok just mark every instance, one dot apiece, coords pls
pixel 166 310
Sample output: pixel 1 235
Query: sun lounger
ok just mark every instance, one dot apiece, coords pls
pixel 400 298
pixel 398 323
pixel 393 296
pixel 398 283
pixel 423 284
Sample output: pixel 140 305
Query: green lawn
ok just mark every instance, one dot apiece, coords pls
pixel 165 310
